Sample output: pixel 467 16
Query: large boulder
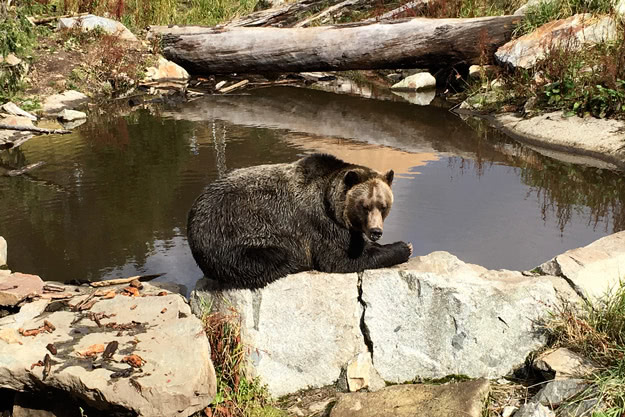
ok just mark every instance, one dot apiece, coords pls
pixel 301 330
pixel 69 99
pixel 170 374
pixel 594 269
pixel 432 317
pixel 90 22
pixel 416 82
pixel 439 316
pixel 16 287
pixel 574 33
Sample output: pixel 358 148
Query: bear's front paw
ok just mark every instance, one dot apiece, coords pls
pixel 404 251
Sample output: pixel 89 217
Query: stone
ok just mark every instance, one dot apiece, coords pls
pixel 534 410
pixel 10 60
pixel 477 71
pixel 176 376
pixel 71 115
pixel 437 316
pixel 17 121
pixel 416 82
pixel 361 374
pixel 592 270
pixel 165 71
pixel 449 400
pixel 565 364
pixel 69 99
pixel 301 330
pixel 556 392
pixel 586 141
pixel 574 33
pixel 12 108
pixel 17 286
pixel 3 251
pixel 508 411
pixel 90 22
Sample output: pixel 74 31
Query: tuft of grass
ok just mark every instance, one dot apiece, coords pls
pixel 237 394
pixel 597 331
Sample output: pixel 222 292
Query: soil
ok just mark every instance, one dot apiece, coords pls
pixel 96 64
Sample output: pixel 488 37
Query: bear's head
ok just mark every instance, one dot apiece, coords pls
pixel 368 201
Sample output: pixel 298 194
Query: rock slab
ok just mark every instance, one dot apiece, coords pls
pixel 90 22
pixel 437 316
pixel 449 400
pixel 416 82
pixel 565 364
pixel 592 270
pixel 175 378
pixel 16 287
pixel 68 99
pixel 574 33
pixel 301 330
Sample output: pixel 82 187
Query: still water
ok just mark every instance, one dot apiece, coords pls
pixel 112 198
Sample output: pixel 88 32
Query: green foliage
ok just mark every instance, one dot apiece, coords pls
pixel 597 331
pixel 17 37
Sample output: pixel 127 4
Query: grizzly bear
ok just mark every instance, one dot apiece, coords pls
pixel 258 224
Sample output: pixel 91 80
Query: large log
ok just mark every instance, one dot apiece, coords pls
pixel 413 43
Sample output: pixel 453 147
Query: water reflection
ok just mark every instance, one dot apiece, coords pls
pixel 112 199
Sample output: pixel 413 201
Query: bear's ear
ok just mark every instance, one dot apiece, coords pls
pixel 351 178
pixel 388 177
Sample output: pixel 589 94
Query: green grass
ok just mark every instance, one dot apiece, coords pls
pixel 237 395
pixel 597 331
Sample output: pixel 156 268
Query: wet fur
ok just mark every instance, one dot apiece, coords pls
pixel 261 223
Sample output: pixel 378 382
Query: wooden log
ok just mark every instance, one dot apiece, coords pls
pixel 412 43
pixel 325 12
pixel 118 281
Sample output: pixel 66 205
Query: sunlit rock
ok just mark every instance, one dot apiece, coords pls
pixel 416 82
pixel 3 251
pixel 573 33
pixel 90 22
pixel 448 400
pixel 594 269
pixel 69 99
pixel 171 375
pixel 16 287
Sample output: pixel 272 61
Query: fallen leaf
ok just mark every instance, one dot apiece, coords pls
pixel 162 293
pixel 48 327
pixel 109 295
pixel 31 332
pixel 135 361
pixel 132 307
pixel 134 292
pixel 164 310
pixel 51 348
pixel 92 350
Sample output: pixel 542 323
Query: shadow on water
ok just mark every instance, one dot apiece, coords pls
pixel 112 198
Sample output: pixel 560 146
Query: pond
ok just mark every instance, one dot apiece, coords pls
pixel 112 198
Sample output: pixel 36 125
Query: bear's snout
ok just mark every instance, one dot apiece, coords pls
pixel 375 234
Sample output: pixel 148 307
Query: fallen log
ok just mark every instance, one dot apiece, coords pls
pixel 118 281
pixel 413 43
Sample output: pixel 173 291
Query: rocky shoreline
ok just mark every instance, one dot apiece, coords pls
pixel 137 349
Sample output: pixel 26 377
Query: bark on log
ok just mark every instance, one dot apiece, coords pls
pixel 34 129
pixel 413 43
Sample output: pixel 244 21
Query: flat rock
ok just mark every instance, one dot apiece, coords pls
pixel 10 60
pixel 521 11
pixel 14 109
pixel 476 71
pixel 599 141
pixel 13 120
pixel 361 374
pixel 90 22
pixel 449 400
pixel 3 251
pixel 565 364
pixel 416 82
pixel 594 269
pixel 576 32
pixel 301 330
pixel 435 315
pixel 556 392
pixel 69 99
pixel 176 379
pixel 16 287
pixel 71 115
pixel 420 98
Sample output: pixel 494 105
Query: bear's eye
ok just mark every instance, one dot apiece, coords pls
pixel 364 206
pixel 383 207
